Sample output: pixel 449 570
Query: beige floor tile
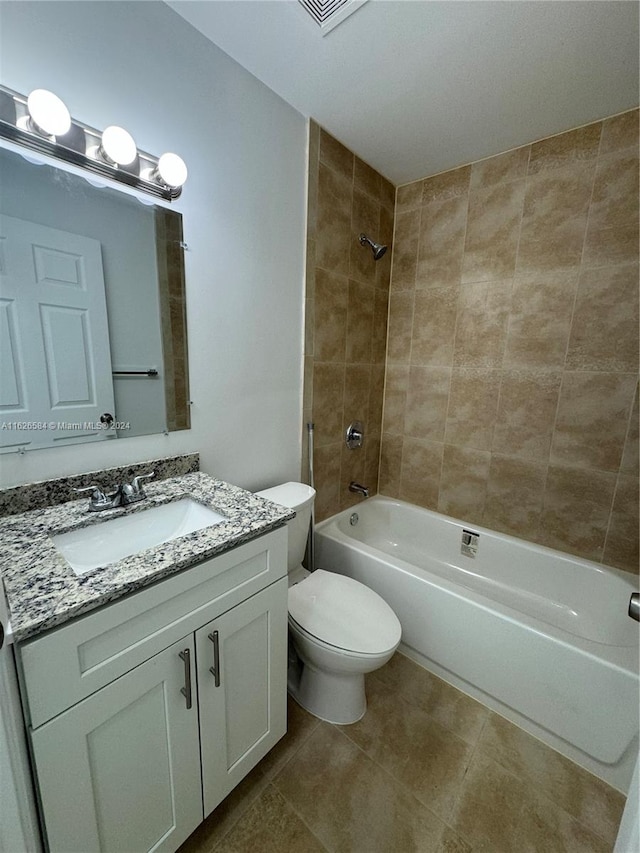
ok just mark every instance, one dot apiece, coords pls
pixel 583 796
pixel 445 704
pixel 416 750
pixel 453 843
pixel 544 827
pixel 350 803
pixel 229 812
pixel 270 826
pixel 489 807
pixel 300 725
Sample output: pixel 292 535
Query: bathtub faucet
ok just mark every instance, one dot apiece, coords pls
pixel 358 489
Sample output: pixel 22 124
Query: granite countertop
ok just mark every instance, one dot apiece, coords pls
pixel 44 592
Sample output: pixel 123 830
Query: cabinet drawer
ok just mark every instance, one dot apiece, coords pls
pixel 69 663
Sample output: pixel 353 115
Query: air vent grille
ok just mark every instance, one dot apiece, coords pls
pixel 329 13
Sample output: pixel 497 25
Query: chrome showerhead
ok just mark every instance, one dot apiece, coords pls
pixel 377 248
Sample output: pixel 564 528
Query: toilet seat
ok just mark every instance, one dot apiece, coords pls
pixel 342 613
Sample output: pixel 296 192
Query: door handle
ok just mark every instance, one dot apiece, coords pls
pixel 185 656
pixel 215 669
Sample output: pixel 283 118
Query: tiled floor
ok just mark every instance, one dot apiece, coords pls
pixel 427 769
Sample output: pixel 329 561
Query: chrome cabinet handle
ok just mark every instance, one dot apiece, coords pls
pixel 215 669
pixel 186 690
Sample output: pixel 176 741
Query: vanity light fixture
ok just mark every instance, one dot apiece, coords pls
pixel 43 123
pixel 117 146
pixel 47 114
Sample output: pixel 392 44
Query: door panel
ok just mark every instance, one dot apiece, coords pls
pixel 53 281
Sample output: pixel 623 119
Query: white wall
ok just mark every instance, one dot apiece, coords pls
pixel 142 66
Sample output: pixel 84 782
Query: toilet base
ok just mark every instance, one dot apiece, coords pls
pixel 338 699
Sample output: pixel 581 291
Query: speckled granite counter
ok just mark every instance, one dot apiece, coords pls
pixel 44 592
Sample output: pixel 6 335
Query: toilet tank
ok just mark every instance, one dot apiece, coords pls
pixel 299 497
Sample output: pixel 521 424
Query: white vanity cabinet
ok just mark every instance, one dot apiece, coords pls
pixel 177 692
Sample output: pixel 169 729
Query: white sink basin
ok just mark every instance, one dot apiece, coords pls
pixel 110 541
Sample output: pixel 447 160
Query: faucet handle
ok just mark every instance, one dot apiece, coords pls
pixel 98 498
pixel 135 483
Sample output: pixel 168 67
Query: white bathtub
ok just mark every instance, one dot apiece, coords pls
pixel 541 637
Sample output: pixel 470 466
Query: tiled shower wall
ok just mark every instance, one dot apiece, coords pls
pixel 512 367
pixel 346 317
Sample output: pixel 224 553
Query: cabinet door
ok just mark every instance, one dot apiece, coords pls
pixel 243 711
pixel 120 771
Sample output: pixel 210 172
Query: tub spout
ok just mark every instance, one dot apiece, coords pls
pixel 634 606
pixel 358 489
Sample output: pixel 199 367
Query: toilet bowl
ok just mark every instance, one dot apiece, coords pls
pixel 339 629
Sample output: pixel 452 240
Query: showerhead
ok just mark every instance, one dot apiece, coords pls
pixel 377 248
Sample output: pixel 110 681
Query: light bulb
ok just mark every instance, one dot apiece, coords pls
pixel 118 145
pixel 48 113
pixel 172 170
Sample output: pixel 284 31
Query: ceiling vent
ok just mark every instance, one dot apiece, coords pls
pixel 329 13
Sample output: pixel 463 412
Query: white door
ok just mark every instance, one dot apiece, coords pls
pixel 120 771
pixel 55 359
pixel 243 712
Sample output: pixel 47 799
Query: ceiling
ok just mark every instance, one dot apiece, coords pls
pixel 417 87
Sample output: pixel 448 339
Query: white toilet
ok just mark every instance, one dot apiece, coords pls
pixel 340 628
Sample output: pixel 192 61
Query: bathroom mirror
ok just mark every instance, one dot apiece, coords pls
pixel 93 340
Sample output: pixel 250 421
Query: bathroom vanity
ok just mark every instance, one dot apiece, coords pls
pixel 153 685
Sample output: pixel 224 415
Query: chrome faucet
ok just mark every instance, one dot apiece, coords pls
pixel 358 489
pixel 125 494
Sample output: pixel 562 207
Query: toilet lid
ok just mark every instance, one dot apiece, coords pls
pixel 344 613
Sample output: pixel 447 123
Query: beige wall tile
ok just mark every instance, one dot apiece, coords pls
pixel 408 196
pixel 367 179
pixel 493 230
pixel 434 321
pixel 540 319
pixel 445 185
pixel 426 402
pixel 615 193
pixel 330 316
pixel 555 218
pixel 328 401
pixel 395 398
pixel 421 470
pixel 442 231
pixel 390 465
pixel 621 546
pixel 379 334
pixel 611 246
pixel 620 132
pixel 333 237
pixel 574 146
pixel 405 250
pixel 359 336
pixel 604 331
pixel 371 462
pixel 515 493
pixel 376 398
pixel 400 327
pixel 631 453
pixel 327 479
pixel 473 403
pixel 526 414
pixel 463 486
pixel 577 506
pixel 352 467
pixel 357 386
pixel 509 166
pixel 335 155
pixel 481 329
pixel 592 419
